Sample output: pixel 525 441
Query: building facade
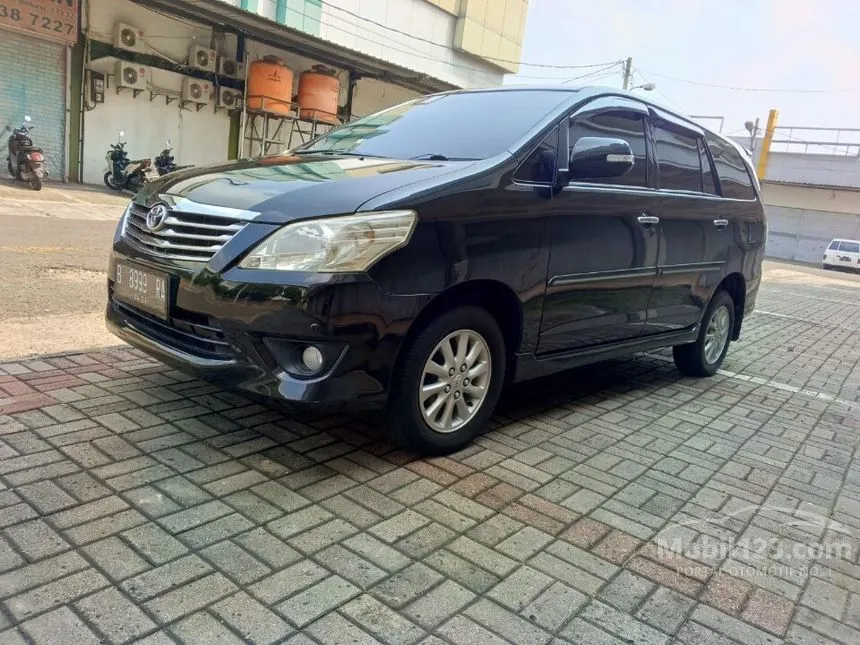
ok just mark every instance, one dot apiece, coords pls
pixel 132 66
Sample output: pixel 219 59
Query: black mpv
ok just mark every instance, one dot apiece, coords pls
pixel 420 258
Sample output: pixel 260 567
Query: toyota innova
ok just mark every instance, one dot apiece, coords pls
pixel 419 259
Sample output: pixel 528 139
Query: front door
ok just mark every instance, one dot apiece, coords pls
pixel 604 240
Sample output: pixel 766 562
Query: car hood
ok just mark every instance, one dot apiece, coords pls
pixel 286 187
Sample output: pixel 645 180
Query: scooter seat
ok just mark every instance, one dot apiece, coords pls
pixel 30 149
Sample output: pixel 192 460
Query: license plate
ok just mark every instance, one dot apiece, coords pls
pixel 845 258
pixel 142 288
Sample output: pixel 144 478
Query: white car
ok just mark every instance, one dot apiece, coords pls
pixel 842 254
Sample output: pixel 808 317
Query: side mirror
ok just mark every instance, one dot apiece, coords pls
pixel 27 119
pixel 167 143
pixel 121 134
pixel 600 157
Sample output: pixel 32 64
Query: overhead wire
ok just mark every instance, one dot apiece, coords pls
pixel 752 89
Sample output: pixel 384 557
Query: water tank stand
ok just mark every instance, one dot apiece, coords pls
pixel 267 133
pixel 264 133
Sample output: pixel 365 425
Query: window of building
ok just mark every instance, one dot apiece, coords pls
pixel 630 127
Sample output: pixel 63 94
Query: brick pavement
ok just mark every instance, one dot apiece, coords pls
pixel 139 505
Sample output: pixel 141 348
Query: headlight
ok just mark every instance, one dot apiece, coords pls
pixel 333 244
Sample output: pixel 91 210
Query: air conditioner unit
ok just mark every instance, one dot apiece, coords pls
pixel 196 91
pixel 229 99
pixel 202 58
pixel 130 75
pixel 231 68
pixel 128 38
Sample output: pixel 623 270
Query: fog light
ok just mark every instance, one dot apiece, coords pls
pixel 312 358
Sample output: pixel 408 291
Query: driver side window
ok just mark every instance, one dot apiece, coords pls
pixel 628 126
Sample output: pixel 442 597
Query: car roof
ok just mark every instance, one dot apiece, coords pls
pixel 843 239
pixel 588 91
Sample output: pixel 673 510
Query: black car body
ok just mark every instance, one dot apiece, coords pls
pixel 586 223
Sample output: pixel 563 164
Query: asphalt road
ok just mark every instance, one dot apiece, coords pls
pixel 53 255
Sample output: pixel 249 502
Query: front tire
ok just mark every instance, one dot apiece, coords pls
pixel 448 383
pixel 110 182
pixel 705 356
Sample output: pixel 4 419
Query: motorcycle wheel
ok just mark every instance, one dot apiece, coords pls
pixel 10 168
pixel 36 182
pixel 110 182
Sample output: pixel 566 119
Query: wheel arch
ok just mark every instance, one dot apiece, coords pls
pixel 495 297
pixel 736 286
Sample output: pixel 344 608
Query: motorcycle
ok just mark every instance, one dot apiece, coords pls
pixel 164 162
pixel 125 174
pixel 25 162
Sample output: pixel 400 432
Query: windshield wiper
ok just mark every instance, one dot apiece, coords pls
pixel 433 156
pixel 332 151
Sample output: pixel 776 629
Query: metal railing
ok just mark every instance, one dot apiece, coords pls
pixel 840 142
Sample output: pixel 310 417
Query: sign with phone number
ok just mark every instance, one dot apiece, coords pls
pixel 52 19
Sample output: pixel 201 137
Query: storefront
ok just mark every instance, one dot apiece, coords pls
pixel 35 41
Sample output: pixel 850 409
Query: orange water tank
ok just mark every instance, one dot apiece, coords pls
pixel 319 90
pixel 270 86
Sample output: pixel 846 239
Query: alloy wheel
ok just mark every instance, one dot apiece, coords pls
pixel 455 380
pixel 717 334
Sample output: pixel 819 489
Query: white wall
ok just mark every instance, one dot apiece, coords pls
pixel 198 137
pixel 417 18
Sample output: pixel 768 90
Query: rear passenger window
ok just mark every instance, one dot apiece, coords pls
pixel 628 126
pixel 735 181
pixel 834 245
pixel 678 158
pixel 849 247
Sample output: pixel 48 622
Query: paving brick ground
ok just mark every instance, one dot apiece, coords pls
pixel 615 504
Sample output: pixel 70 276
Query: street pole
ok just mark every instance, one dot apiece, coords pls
pixel 628 73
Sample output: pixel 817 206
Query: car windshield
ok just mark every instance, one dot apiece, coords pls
pixel 469 125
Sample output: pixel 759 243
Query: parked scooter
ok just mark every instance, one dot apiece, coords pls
pixel 25 162
pixel 126 174
pixel 164 162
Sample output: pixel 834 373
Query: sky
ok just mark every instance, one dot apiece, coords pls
pixel 770 44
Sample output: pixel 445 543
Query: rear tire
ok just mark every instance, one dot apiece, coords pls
pixel 36 182
pixel 435 408
pixel 10 169
pixel 705 356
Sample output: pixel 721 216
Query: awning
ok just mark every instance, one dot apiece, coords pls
pixel 216 13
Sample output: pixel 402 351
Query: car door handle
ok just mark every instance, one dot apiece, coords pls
pixel 721 223
pixel 648 220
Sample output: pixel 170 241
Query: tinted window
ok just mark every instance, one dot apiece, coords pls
pixel 678 158
pixel 735 181
pixel 540 165
pixel 628 126
pixel 708 184
pixel 850 247
pixel 833 245
pixel 469 125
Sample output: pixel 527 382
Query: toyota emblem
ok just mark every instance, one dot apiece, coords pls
pixel 156 217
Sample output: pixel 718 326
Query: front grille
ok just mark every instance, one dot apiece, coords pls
pixel 194 334
pixel 185 236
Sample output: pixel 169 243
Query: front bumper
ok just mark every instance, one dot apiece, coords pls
pixel 238 327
